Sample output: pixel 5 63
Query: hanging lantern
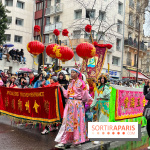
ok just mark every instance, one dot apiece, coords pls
pixel 52 49
pixel 85 50
pixel 35 47
pixel 64 53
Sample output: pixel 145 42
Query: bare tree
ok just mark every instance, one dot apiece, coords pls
pixel 103 24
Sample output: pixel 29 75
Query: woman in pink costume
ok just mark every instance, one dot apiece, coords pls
pixel 73 129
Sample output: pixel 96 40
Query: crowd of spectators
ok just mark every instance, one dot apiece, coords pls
pixel 15 54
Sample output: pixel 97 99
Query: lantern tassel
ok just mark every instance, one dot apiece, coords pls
pixel 34 57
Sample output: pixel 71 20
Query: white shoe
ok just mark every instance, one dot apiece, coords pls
pixel 148 147
pixel 96 142
pixel 60 145
pixel 44 132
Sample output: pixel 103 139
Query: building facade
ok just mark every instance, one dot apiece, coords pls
pixel 134 20
pixel 20 31
pixel 106 18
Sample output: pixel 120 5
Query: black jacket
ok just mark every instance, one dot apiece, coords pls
pixel 146 92
pixel 21 53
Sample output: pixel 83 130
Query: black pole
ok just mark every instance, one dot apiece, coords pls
pixel 138 54
pixel 40 56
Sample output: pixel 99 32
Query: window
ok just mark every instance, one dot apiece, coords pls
pixel 118 44
pixel 90 13
pixel 129 58
pixel 102 15
pixel 119 26
pixel 57 1
pixel 9 20
pixel 56 19
pixel 77 34
pixel 48 3
pixel 18 39
pixel 38 22
pixel 9 2
pixel 78 14
pixel 20 4
pixel 46 39
pixel 101 36
pixel 115 60
pixel 39 6
pixel 88 36
pixel 131 19
pixel 135 60
pixel 120 8
pixel 131 3
pixel 47 20
pixel 8 37
pixel 19 21
pixel 129 35
pixel 37 38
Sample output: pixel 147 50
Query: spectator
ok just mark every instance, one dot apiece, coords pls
pixel 22 83
pixel 31 79
pixel 14 55
pixel 47 80
pixel 1 52
pixel 38 83
pixel 11 53
pixel 6 53
pixel 1 81
pixel 22 57
pixel 4 77
pixel 12 82
pixel 62 80
pixel 18 55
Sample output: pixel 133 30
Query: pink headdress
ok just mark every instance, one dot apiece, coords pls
pixel 80 77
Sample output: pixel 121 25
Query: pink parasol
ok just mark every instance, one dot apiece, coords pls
pixel 25 69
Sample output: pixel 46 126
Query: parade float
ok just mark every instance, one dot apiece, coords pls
pixel 44 105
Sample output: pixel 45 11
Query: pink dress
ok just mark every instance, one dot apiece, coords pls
pixel 73 129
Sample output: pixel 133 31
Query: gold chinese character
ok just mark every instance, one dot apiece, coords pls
pixel 36 106
pixel 132 103
pixel 6 102
pixel 144 101
pixel 20 105
pixel 138 103
pixel 126 102
pixel 27 106
pixel 46 106
pixel 13 104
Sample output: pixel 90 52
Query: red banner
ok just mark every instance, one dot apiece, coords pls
pixel 40 104
pixel 96 63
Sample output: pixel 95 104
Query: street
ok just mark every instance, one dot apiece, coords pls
pixel 13 137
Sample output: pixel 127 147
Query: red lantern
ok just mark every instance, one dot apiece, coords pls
pixel 86 50
pixel 35 47
pixel 64 53
pixel 52 49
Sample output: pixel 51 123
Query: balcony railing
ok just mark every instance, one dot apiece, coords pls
pixel 134 44
pixel 54 9
pixel 51 27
